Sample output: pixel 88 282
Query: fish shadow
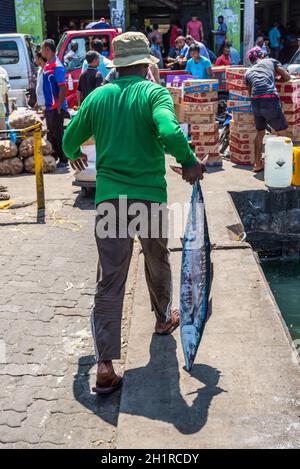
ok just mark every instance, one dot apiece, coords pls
pixel 155 391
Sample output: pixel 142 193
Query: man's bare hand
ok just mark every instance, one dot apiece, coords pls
pixel 80 164
pixel 193 173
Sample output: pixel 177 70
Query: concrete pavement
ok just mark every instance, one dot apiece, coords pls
pixel 243 391
pixel 47 367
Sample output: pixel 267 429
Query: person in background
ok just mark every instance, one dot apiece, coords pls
pixel 155 33
pixel 3 101
pixel 175 33
pixel 194 28
pixel 40 62
pixel 134 125
pixel 211 55
pixel 220 34
pixel 153 74
pixel 257 29
pixel 72 25
pixel 189 40
pixel 179 59
pixel 102 24
pixel 147 32
pixel 105 51
pixel 55 90
pixel 291 42
pixel 234 54
pixel 156 51
pixel 260 42
pixel 274 37
pixel 91 78
pixel 72 54
pixel 5 74
pixel 266 105
pixel 104 62
pixel 199 67
pixel 224 60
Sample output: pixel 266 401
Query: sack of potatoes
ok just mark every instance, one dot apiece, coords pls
pixel 11 166
pixel 26 147
pixel 7 149
pixel 49 164
pixel 20 119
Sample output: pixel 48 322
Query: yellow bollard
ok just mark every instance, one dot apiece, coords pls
pixel 296 166
pixel 39 167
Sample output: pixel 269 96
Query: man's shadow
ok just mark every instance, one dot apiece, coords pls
pixel 155 390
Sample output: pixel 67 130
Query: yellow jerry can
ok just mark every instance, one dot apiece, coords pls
pixel 296 166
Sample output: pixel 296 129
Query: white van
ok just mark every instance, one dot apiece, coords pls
pixel 17 53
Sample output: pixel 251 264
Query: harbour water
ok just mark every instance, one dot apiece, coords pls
pixel 283 277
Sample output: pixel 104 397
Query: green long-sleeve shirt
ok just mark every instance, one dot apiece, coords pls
pixel 133 124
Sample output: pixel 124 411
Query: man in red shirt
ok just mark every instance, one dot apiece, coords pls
pixel 224 59
pixel 195 28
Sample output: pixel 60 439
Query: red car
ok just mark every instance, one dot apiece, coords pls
pixel 84 39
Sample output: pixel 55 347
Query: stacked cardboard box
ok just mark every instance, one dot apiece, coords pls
pixel 242 127
pixel 198 108
pixel 176 94
pixel 219 73
pixel 290 97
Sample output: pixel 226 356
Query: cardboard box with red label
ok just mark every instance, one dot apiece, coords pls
pixel 238 126
pixel 204 129
pixel 242 151
pixel 236 85
pixel 292 98
pixel 176 94
pixel 291 108
pixel 244 160
pixel 206 149
pixel 240 106
pixel 233 73
pixel 246 117
pixel 289 87
pixel 200 86
pixel 199 139
pixel 200 97
pixel 185 115
pixel 293 119
pixel 242 138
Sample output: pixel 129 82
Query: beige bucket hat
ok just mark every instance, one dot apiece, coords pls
pixel 131 48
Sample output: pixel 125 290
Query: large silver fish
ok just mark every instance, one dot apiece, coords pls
pixel 195 277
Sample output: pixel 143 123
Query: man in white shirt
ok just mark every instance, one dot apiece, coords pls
pixel 40 97
pixel 3 101
pixel 4 72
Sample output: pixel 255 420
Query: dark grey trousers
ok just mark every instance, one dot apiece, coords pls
pixel 114 260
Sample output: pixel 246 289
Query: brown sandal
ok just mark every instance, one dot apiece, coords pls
pixel 4 197
pixel 172 324
pixel 110 386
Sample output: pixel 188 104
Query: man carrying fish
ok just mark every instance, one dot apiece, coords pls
pixel 133 124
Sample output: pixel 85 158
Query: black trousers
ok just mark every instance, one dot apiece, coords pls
pixel 55 125
pixel 114 260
